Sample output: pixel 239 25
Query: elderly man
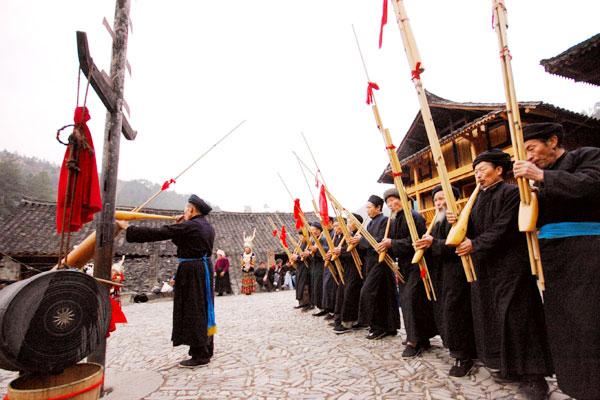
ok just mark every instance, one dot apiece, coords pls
pixel 568 185
pixel 193 304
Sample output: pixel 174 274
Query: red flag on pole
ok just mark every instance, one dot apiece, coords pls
pixel 283 237
pixel 297 212
pixel 323 207
pixel 383 21
pixel 370 97
pixel 84 186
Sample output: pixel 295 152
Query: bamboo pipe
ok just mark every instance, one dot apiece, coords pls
pixel 385 236
pixel 287 251
pixel 458 232
pixel 419 253
pixel 415 61
pixel 136 216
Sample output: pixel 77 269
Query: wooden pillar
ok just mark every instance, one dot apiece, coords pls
pixel 415 169
pixel 105 221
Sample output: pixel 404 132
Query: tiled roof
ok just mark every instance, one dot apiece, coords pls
pixel 31 231
pixel 580 62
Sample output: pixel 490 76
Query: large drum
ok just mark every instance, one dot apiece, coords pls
pixel 51 321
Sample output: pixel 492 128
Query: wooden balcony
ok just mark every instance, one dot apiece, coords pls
pixel 429 213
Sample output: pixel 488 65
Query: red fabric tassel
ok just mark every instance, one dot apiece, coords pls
pixel 283 237
pixel 390 147
pixel 167 183
pixel 274 232
pixel 383 21
pixel 370 98
pixel 423 273
pixel 416 73
pixel 297 212
pixel 323 207
pixel 395 174
pixel 117 316
pixel 86 195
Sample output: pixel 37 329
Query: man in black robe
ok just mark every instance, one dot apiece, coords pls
pixel 569 221
pixel 302 276
pixel 417 311
pixel 193 310
pixel 378 306
pixel 330 285
pixel 348 297
pixel 452 310
pixel 317 264
pixel 497 246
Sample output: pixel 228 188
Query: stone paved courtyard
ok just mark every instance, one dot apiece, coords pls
pixel 267 350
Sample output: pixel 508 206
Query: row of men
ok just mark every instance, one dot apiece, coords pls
pixel 500 318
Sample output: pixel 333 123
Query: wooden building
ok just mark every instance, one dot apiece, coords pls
pixel 580 62
pixel 465 130
pixel 29 237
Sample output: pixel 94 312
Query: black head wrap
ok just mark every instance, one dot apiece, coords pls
pixel 200 204
pixel 439 188
pixel 543 131
pixel 317 225
pixel 496 157
pixel 358 217
pixel 391 192
pixel 376 200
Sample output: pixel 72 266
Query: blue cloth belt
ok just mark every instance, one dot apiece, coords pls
pixel 210 307
pixel 569 229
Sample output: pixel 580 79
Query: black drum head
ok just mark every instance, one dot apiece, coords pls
pixel 51 321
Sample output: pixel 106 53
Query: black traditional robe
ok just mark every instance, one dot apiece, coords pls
pixel 303 286
pixel 330 287
pixel 504 276
pixel 417 311
pixel 348 294
pixel 316 275
pixel 378 306
pixel 452 310
pixel 194 240
pixel 571 193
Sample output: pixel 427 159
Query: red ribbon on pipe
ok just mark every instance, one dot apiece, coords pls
pixel 167 183
pixel 395 174
pixel 370 87
pixel 416 73
pixel 274 232
pixel 383 21
pixel 423 273
pixel 390 147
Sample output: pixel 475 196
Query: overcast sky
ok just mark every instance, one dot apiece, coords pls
pixel 199 67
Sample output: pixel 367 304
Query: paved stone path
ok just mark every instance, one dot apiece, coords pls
pixel 267 350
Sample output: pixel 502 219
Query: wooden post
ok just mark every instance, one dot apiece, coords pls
pixel 415 168
pixel 105 225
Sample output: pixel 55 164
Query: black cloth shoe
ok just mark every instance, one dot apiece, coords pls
pixel 461 367
pixel 299 306
pixel 534 388
pixel 331 324
pixel 308 308
pixel 499 378
pixel 359 327
pixel 193 362
pixel 375 335
pixel 329 317
pixel 320 313
pixel 412 351
pixel 340 329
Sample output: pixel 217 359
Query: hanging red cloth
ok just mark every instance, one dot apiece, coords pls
pixel 323 208
pixel 117 316
pixel 283 237
pixel 86 194
pixel 297 212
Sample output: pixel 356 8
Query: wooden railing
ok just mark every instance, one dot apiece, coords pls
pixel 429 213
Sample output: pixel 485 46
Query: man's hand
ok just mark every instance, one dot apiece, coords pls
pixel 383 245
pixel 295 257
pixel 179 218
pixel 451 217
pixel 465 248
pixel 528 170
pixel 354 240
pixel 328 256
pixel 222 274
pixel 337 251
pixel 424 243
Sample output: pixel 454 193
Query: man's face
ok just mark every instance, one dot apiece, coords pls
pixel 337 228
pixel 487 174
pixel 372 210
pixel 542 153
pixel 188 212
pixel 394 203
pixel 439 200
pixel 316 232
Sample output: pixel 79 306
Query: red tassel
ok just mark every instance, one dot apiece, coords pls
pixel 283 237
pixel 297 212
pixel 416 73
pixel 323 207
pixel 370 98
pixel 274 232
pixel 423 273
pixel 167 183
pixel 383 22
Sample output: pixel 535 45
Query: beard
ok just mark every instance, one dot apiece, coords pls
pixel 441 216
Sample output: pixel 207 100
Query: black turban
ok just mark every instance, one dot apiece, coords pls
pixel 439 188
pixel 496 157
pixel 376 200
pixel 200 204
pixel 358 217
pixel 543 131
pixel 317 225
pixel 391 192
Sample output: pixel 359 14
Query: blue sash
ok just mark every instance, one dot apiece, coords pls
pixel 212 324
pixel 569 229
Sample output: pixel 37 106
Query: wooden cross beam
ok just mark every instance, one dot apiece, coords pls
pixel 100 82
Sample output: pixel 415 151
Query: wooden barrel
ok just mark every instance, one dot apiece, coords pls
pixel 78 382
pixel 51 321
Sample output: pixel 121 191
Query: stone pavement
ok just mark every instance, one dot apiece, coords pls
pixel 267 350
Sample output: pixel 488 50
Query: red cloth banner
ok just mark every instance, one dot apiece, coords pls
pixel 297 212
pixel 283 237
pixel 383 21
pixel 370 98
pixel 323 207
pixel 86 199
pixel 117 316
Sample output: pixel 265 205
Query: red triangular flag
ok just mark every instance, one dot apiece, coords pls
pixel 297 212
pixel 383 22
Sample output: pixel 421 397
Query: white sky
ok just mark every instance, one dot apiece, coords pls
pixel 200 67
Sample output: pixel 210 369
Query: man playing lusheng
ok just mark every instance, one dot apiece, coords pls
pixel 193 302
pixel 569 221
